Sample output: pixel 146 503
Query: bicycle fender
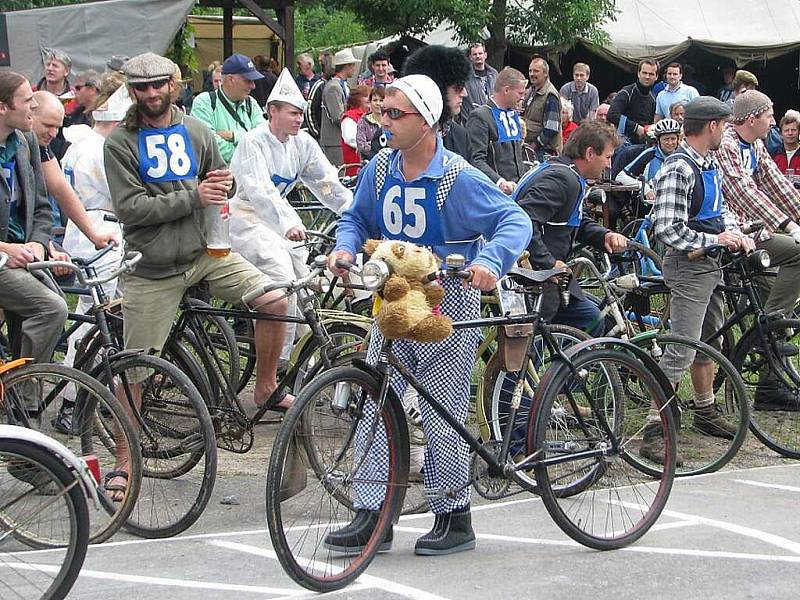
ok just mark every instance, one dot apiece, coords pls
pixel 73 462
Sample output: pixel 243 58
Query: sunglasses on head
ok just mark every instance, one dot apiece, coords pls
pixel 156 85
pixel 397 113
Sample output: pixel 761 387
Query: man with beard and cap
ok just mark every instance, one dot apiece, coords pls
pixel 756 190
pixel 167 182
pixel 267 165
pixel 690 212
pixel 419 192
pixel 450 70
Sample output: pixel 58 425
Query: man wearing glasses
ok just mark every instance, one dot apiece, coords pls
pixel 422 193
pixel 166 175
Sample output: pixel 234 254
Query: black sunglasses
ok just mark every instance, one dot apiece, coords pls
pixel 397 113
pixel 156 85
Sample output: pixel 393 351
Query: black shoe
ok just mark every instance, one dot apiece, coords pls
pixel 652 447
pixel 710 421
pixel 63 420
pixel 452 532
pixel 353 537
pixel 28 473
pixel 772 395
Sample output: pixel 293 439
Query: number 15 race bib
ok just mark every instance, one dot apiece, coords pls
pixel 166 155
pixel 508 125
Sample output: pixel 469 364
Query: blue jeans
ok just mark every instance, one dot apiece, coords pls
pixel 582 314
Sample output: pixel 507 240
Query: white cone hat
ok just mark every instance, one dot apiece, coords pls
pixel 286 90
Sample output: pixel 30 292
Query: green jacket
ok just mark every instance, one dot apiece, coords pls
pixel 164 221
pixel 218 118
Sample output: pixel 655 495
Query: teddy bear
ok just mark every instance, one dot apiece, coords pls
pixel 406 308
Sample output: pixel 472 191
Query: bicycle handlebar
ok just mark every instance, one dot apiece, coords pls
pixel 305 282
pixel 128 264
pixel 85 262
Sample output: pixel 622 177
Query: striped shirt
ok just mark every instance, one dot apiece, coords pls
pixel 765 194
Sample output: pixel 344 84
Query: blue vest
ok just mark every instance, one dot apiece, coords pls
pixel 577 211
pixel 705 210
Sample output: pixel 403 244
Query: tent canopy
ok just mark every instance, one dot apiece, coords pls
pixel 92 32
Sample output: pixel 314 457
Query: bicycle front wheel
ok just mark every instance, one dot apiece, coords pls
pixel 179 452
pixel 41 500
pixel 610 502
pixel 83 415
pixel 339 446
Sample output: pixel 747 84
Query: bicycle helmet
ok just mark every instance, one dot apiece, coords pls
pixel 665 126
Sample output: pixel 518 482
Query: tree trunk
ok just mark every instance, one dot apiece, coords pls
pixel 496 44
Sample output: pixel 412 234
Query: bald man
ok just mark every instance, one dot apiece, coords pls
pixel 47 119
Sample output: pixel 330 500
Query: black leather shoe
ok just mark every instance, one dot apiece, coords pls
pixel 452 532
pixel 772 395
pixel 353 537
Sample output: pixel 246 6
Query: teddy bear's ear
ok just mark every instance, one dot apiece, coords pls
pixel 398 250
pixel 370 245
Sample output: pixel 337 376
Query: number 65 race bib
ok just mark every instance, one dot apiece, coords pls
pixel 166 154
pixel 408 211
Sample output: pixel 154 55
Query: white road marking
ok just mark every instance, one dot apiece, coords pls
pixel 774 486
pixel 162 581
pixel 364 580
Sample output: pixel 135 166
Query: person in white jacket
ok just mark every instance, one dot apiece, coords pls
pixel 84 169
pixel 268 163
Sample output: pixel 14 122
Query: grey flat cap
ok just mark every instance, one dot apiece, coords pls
pixel 706 108
pixel 148 67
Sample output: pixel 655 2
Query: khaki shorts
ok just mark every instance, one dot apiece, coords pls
pixel 150 305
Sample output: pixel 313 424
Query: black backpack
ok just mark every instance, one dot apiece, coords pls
pixel 313 111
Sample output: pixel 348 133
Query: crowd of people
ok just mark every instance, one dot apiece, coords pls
pixel 443 153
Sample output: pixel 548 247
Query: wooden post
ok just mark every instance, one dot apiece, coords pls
pixel 227 28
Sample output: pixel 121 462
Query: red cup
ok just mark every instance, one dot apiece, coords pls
pixel 94 466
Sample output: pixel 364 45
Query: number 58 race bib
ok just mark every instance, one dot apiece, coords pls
pixel 166 155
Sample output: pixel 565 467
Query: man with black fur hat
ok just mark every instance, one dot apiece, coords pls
pixel 449 69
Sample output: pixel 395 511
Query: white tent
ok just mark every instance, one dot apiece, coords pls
pixel 92 32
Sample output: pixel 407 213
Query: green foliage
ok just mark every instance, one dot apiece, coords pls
pixel 180 52
pixel 9 5
pixel 318 27
pixel 417 17
pixel 552 22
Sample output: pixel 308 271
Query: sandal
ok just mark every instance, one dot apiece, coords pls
pixel 274 400
pixel 117 487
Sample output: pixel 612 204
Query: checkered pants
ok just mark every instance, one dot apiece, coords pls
pixel 444 370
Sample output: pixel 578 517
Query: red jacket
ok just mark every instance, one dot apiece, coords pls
pixel 783 163
pixel 351 155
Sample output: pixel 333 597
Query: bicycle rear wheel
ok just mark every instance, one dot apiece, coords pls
pixel 774 396
pixel 179 453
pixel 611 502
pixel 83 415
pixel 40 499
pixel 318 471
pixel 708 438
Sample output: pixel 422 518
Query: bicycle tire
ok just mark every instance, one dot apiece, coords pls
pixel 223 341
pixel 50 472
pixel 179 452
pixel 299 524
pixel 702 453
pixel 778 429
pixel 178 353
pixel 99 426
pixel 617 502
pixel 345 338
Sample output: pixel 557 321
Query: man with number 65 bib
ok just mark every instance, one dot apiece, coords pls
pixel 168 183
pixel 417 191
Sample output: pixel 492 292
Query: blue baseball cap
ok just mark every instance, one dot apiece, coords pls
pixel 239 64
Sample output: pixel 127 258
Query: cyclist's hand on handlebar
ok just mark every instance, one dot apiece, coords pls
pixel 19 255
pixel 747 244
pixel 615 242
pixel 482 278
pixel 296 234
pixel 104 238
pixel 58 255
pixel 731 239
pixel 339 255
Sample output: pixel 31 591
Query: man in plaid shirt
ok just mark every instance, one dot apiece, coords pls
pixel 755 189
pixel 690 213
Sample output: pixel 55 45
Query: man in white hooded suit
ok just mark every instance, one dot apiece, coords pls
pixel 269 161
